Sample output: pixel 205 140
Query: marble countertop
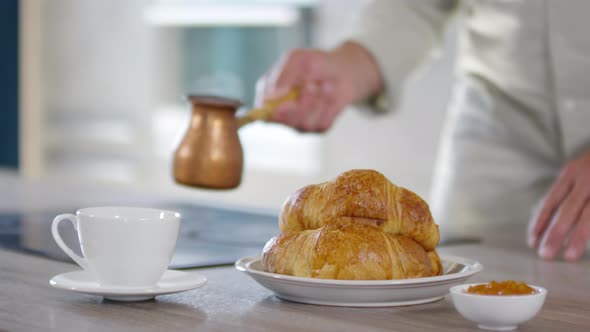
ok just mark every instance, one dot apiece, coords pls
pixel 233 301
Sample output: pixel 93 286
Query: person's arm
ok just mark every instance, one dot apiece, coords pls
pixel 401 36
pixel 393 38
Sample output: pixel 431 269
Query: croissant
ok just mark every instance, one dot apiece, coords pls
pixel 348 251
pixel 357 226
pixel 365 196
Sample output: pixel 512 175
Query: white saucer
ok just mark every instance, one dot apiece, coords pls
pixel 172 282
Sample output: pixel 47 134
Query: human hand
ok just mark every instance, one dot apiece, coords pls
pixel 327 82
pixel 563 220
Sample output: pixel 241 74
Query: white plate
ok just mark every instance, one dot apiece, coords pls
pixel 363 293
pixel 172 282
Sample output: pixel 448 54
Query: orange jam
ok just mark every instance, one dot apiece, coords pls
pixel 508 287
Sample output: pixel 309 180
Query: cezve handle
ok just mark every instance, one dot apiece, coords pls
pixel 266 111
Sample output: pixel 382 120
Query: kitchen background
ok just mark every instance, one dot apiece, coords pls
pixel 102 86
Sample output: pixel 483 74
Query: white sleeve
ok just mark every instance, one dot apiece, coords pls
pixel 401 35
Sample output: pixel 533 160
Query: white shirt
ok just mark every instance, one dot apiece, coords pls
pixel 521 107
pixel 536 52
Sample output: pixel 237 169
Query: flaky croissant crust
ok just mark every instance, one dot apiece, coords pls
pixel 363 196
pixel 349 251
pixel 357 226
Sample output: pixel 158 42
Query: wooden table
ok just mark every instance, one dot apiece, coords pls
pixel 233 302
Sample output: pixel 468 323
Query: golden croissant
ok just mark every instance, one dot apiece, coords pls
pixel 357 226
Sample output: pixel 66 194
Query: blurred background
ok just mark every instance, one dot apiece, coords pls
pixel 94 91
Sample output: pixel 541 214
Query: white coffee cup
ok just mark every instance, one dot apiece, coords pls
pixel 123 246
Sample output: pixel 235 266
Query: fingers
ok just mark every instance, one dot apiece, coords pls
pixel 288 70
pixel 310 71
pixel 293 72
pixel 312 105
pixel 314 111
pixel 302 114
pixel 286 113
pixel 310 112
pixel 332 109
pixel 541 220
pixel 580 236
pixel 297 68
pixel 564 220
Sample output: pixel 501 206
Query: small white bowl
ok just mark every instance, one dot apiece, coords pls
pixel 497 312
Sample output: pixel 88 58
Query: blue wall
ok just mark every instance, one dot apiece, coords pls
pixel 9 83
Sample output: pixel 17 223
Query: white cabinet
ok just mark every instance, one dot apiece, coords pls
pixel 104 81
